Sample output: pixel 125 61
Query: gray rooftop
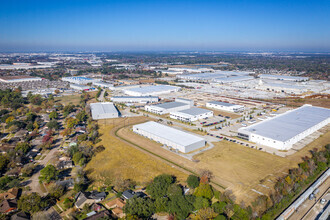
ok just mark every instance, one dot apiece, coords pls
pixel 135 97
pixel 103 108
pixel 195 111
pixel 221 103
pixel 169 105
pixel 151 89
pixel 168 133
pixel 286 126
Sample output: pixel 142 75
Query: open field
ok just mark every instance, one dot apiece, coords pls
pixel 248 172
pixel 120 160
pixel 224 113
pixel 74 99
pixel 321 101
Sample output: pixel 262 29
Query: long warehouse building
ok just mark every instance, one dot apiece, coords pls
pixel 191 114
pixel 168 107
pixel 225 106
pixel 171 137
pixel 104 110
pixel 152 90
pixel 135 99
pixel 283 131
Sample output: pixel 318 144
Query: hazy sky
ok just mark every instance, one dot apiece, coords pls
pixel 219 25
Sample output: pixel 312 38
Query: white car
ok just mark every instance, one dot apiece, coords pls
pixel 323 201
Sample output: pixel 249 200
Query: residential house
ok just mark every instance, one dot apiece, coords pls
pixel 8 206
pixel 88 198
pixel 67 184
pixel 20 216
pixel 64 164
pixel 10 194
pixel 116 207
pixel 130 194
pixel 97 215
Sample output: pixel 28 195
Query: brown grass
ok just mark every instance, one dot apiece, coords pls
pixel 121 160
pixel 237 167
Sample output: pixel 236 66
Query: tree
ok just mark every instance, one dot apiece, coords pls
pixel 57 191
pixel 201 202
pixel 3 163
pixel 204 190
pixel 31 203
pixel 179 206
pixel 71 122
pixel 24 147
pixel 193 181
pixel 53 124
pixel 219 207
pixel 174 190
pixel 78 158
pixel 68 203
pixel 158 188
pixel 142 207
pixel 161 204
pixel 48 174
pixel 205 214
pixel 81 116
pixel 53 115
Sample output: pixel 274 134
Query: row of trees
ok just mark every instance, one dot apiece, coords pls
pixel 289 186
pixel 166 195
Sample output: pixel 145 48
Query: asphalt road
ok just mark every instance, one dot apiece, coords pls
pixel 311 208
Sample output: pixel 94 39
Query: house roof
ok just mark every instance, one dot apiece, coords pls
pixel 99 215
pixel 128 194
pixel 20 216
pixel 10 194
pixel 8 205
pixel 115 203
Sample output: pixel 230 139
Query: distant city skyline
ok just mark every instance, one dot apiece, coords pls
pixel 123 25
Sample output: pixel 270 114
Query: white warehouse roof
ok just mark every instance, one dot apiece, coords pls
pixel 194 111
pixel 169 105
pixel 103 110
pixel 153 89
pixel 168 133
pixel 286 126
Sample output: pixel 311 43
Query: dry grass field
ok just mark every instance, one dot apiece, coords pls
pixel 74 99
pixel 247 172
pixel 120 160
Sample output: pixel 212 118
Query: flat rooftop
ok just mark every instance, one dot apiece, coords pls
pixel 103 108
pixel 169 105
pixel 18 77
pixel 174 135
pixel 151 89
pixel 194 111
pixel 221 103
pixel 285 126
pixel 135 97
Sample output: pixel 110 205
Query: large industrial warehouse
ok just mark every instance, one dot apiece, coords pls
pixel 283 131
pixel 151 90
pixel 135 99
pixel 225 106
pixel 171 137
pixel 15 79
pixel 166 107
pixel 104 110
pixel 191 114
pixel 79 80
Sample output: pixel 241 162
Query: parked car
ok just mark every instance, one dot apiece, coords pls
pixel 322 201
